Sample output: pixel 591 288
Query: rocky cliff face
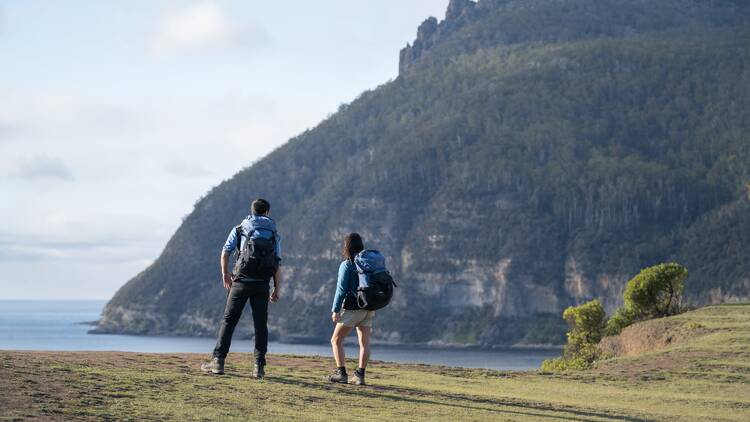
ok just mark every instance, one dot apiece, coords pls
pixel 554 21
pixel 430 32
pixel 530 156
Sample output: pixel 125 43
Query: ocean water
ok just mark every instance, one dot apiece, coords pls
pixel 57 325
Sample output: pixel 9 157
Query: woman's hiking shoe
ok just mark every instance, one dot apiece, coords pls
pixel 339 376
pixel 359 377
pixel 259 371
pixel 215 366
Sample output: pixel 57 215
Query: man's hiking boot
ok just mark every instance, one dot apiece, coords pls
pixel 359 377
pixel 259 371
pixel 339 376
pixel 215 366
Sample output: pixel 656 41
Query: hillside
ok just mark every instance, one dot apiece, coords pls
pixel 531 154
pixel 704 378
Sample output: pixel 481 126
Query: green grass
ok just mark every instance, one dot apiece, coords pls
pixel 705 378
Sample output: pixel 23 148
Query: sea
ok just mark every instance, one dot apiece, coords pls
pixel 62 326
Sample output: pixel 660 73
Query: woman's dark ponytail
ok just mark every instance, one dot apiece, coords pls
pixel 352 246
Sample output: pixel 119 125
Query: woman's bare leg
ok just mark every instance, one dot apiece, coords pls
pixel 364 345
pixel 337 343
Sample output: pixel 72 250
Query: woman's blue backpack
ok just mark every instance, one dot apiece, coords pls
pixel 375 282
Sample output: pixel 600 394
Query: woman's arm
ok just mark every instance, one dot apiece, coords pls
pixel 341 288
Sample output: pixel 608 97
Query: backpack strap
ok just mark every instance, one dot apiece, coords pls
pixel 361 301
pixel 238 236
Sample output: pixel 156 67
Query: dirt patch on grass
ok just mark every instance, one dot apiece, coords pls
pixel 649 336
pixel 28 392
pixel 669 366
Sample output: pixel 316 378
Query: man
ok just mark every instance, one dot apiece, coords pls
pixel 259 247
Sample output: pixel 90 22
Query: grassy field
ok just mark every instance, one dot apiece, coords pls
pixel 702 378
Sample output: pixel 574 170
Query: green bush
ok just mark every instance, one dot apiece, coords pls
pixel 586 324
pixel 586 327
pixel 581 360
pixel 654 293
pixel 621 319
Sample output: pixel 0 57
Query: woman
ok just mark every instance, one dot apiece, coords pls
pixel 346 319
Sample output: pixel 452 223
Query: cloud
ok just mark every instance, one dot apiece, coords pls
pixel 202 26
pixel 185 170
pixel 6 132
pixel 25 247
pixel 51 115
pixel 42 249
pixel 42 167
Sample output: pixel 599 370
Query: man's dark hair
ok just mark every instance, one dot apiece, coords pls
pixel 352 246
pixel 260 206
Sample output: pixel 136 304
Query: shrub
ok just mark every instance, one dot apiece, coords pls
pixel 621 319
pixel 654 293
pixel 586 324
pixel 581 360
pixel 586 328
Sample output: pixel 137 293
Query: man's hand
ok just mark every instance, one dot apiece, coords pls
pixel 226 275
pixel 227 278
pixel 336 317
pixel 276 286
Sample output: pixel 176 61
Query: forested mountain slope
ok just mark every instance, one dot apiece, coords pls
pixel 531 154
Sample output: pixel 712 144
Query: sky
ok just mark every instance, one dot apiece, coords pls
pixel 115 117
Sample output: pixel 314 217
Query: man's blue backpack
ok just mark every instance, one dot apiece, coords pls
pixel 257 258
pixel 375 282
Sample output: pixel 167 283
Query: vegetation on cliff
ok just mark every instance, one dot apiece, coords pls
pixel 534 157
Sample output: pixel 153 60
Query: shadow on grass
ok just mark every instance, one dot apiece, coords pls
pixel 415 396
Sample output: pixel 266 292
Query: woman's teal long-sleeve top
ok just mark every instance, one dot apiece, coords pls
pixel 347 284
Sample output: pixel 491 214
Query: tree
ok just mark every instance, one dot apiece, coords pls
pixel 586 327
pixel 654 293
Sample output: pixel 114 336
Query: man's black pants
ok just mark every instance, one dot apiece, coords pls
pixel 257 293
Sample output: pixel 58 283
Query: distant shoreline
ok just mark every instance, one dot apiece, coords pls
pixel 351 341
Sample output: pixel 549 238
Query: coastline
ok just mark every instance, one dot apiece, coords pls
pixel 65 326
pixel 317 341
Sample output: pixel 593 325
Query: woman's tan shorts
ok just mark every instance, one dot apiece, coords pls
pixel 356 318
